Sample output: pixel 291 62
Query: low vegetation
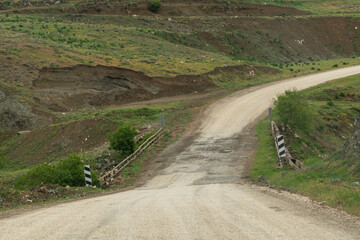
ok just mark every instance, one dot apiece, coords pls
pixel 67 172
pixel 330 175
pixel 32 180
pixel 154 5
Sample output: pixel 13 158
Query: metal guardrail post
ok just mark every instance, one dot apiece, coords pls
pixel 162 121
pixel 270 115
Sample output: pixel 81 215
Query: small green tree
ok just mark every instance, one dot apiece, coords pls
pixel 292 110
pixel 123 140
pixel 154 5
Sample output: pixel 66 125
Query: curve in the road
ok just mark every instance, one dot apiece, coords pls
pixel 200 195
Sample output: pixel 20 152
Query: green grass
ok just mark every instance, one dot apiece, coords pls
pixel 328 174
pixel 315 182
pixel 135 116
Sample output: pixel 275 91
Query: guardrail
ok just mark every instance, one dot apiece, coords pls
pixel 284 158
pixel 110 175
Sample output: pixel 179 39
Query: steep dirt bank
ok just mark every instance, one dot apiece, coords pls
pixel 63 89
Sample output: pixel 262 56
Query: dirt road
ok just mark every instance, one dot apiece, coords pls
pixel 201 194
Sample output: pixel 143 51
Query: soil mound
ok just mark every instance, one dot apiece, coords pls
pixel 83 86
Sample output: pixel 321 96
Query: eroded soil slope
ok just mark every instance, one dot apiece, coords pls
pixel 63 89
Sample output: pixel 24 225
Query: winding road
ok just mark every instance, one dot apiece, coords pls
pixel 201 194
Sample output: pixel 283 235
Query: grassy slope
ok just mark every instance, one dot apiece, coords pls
pixel 157 47
pixel 326 178
pixel 318 7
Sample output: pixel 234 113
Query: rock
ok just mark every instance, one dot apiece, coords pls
pixel 225 150
pixel 262 178
pixel 23 132
pixel 352 145
pixel 42 190
pixel 147 61
pixel 14 115
pixel 356 184
pixel 67 187
pixel 337 180
pixel 29 200
pixel 321 203
pixel 52 191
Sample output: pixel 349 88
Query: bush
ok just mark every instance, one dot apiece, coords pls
pixel 330 103
pixel 291 109
pixel 154 5
pixel 123 140
pixel 68 171
pixel 335 66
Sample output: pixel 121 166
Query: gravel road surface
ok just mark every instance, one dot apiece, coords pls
pixel 201 194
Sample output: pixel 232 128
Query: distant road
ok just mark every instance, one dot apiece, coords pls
pixel 201 193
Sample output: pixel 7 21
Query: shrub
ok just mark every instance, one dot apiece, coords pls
pixel 342 94
pixel 330 103
pixel 154 5
pixel 68 171
pixel 335 66
pixel 291 109
pixel 123 140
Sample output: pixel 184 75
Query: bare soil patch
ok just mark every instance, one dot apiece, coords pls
pixel 64 89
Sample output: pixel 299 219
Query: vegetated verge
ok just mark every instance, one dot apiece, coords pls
pixel 332 170
pixel 26 179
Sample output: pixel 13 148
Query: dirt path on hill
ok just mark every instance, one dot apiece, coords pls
pixel 200 194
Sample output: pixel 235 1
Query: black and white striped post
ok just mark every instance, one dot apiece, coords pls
pixel 87 174
pixel 281 147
